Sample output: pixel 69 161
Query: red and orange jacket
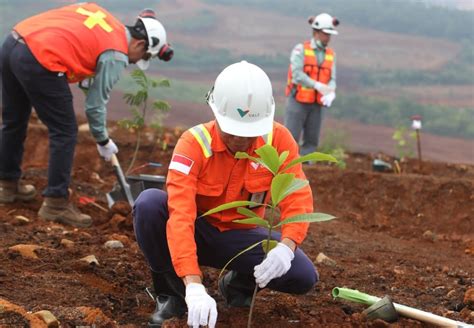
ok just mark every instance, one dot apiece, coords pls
pixel 70 39
pixel 318 72
pixel 203 174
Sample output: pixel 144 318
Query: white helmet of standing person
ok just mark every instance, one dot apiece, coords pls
pixel 325 23
pixel 242 100
pixel 155 37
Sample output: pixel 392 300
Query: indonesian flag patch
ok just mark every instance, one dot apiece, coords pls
pixel 181 163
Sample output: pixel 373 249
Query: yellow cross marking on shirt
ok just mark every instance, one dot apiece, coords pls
pixel 94 19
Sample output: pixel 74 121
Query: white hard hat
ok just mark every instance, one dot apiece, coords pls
pixel 242 100
pixel 156 39
pixel 326 23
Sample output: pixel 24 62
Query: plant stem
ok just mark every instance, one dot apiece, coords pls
pixel 254 296
pixel 135 153
pixel 139 135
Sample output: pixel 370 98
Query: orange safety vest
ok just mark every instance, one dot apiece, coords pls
pixel 204 174
pixel 321 73
pixel 70 39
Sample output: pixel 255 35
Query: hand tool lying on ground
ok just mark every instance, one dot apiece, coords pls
pixel 406 311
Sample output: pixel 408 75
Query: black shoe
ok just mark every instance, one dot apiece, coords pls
pixel 237 289
pixel 167 307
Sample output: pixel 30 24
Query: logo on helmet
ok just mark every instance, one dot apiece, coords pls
pixel 242 112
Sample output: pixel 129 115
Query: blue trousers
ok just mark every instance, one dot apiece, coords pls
pixel 214 248
pixel 25 83
pixel 304 121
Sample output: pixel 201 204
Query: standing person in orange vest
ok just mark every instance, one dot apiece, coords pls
pixel 41 56
pixel 311 83
pixel 203 174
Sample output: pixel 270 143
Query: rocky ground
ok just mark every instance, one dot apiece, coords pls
pixel 408 235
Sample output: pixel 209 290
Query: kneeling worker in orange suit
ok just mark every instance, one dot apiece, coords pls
pixel 203 174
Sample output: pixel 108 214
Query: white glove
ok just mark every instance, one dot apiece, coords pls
pixel 328 99
pixel 107 150
pixel 276 264
pixel 202 309
pixel 322 88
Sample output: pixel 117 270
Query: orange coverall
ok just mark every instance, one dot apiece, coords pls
pixel 209 182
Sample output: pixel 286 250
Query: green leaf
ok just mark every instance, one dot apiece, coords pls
pixel 247 212
pixel 161 105
pixel 230 205
pixel 269 156
pixel 314 157
pixel 164 83
pixel 280 183
pixel 140 78
pixel 308 217
pixel 269 245
pixel 236 256
pixel 283 157
pixel 295 185
pixel 254 220
pixel 244 155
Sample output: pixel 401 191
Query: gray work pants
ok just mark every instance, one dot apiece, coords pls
pixel 304 122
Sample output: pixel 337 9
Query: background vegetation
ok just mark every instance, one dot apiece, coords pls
pixel 362 92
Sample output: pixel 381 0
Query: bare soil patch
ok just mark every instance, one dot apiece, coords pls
pixel 410 236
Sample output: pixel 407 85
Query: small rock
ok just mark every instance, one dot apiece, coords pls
pixel 469 297
pixel 91 259
pixel 322 258
pixel 67 243
pixel 430 236
pixel 469 250
pixel 398 271
pixel 121 207
pixel 26 250
pixel 115 236
pixel 86 235
pixel 113 244
pixel 466 314
pixel 48 318
pixel 451 293
pixel 447 313
pixel 22 218
pixel 96 177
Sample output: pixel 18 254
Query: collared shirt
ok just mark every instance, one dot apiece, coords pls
pixel 297 63
pixel 110 67
pixel 196 184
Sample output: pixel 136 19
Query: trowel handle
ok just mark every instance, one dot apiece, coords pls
pixel 115 162
pixel 121 179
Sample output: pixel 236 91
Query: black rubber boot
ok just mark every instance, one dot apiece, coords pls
pixel 170 303
pixel 237 289
pixel 167 307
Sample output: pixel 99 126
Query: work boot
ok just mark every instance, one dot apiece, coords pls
pixel 170 300
pixel 167 307
pixel 237 289
pixel 62 211
pixel 11 190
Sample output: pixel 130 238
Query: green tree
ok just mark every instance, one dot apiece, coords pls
pixel 138 102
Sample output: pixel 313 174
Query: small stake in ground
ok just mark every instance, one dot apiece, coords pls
pixel 416 125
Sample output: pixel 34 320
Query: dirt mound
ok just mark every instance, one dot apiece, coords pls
pixel 408 235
